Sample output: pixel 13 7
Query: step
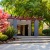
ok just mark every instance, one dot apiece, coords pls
pixel 28 41
pixel 32 36
pixel 31 39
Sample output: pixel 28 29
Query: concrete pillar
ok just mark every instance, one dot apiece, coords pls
pixel 15 23
pixel 29 28
pixel 36 24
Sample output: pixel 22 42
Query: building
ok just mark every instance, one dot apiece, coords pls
pixel 23 25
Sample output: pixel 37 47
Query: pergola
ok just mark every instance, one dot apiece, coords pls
pixel 36 22
pixel 26 18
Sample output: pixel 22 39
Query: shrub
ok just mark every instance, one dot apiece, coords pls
pixel 46 32
pixel 3 37
pixel 0 33
pixel 10 32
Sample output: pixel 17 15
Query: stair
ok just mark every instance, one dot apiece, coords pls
pixel 32 39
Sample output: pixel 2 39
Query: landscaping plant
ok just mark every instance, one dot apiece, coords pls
pixel 3 37
pixel 10 32
pixel 3 25
pixel 46 32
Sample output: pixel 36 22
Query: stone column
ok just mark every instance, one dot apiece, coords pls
pixel 15 24
pixel 36 24
pixel 29 30
pixel 29 27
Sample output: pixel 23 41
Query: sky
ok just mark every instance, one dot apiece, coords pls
pixel 0 0
pixel 0 6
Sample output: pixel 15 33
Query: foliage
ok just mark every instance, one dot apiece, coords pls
pixel 46 32
pixel 3 37
pixel 0 33
pixel 3 21
pixel 10 32
pixel 47 13
pixel 28 8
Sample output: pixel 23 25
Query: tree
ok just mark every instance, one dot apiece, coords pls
pixel 47 13
pixel 26 8
pixel 3 21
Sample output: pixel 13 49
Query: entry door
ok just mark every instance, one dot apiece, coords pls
pixel 21 30
pixel 26 30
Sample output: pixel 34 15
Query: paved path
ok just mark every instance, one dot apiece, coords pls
pixel 31 43
pixel 26 46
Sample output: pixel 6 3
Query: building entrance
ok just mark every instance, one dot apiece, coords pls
pixel 22 30
pixel 26 30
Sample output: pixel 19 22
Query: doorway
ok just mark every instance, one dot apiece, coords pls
pixel 26 30
pixel 22 30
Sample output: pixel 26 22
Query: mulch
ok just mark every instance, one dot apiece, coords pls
pixel 9 40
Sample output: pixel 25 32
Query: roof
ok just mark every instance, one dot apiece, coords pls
pixel 25 18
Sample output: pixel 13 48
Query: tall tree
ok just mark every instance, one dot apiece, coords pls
pixel 28 8
pixel 47 13
pixel 23 7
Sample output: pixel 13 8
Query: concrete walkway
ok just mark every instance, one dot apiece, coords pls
pixel 28 43
pixel 26 46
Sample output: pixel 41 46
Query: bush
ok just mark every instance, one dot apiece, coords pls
pixel 10 32
pixel 0 33
pixel 46 32
pixel 3 37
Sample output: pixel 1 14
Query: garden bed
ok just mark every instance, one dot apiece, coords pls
pixel 9 40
